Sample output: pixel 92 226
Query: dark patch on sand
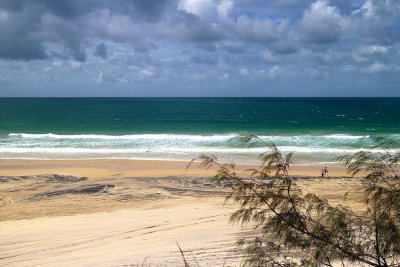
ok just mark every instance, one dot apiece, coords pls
pixel 83 190
pixel 52 178
pixel 135 197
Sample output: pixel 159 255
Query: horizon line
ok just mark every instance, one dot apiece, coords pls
pixel 192 97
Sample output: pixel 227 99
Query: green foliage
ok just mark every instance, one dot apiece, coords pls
pixel 302 229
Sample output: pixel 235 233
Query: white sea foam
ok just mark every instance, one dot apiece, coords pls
pixel 126 137
pixel 73 150
pixel 345 136
pixel 175 146
pixel 186 137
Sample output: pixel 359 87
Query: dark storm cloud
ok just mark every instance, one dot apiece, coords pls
pixel 149 9
pixel 21 34
pixel 28 24
pixel 67 9
pixel 74 8
pixel 12 48
pixel 11 5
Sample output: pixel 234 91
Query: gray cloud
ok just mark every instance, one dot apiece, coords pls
pixel 28 25
pixel 285 47
pixel 322 23
pixel 149 9
pixel 20 34
pixel 234 48
pixel 17 49
pixel 101 51
pixel 67 9
pixel 376 22
pixel 197 40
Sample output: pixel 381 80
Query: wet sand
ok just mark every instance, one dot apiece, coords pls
pixel 118 167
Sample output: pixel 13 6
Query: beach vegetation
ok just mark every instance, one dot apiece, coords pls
pixel 300 228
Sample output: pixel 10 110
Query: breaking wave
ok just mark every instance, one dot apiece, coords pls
pixel 308 148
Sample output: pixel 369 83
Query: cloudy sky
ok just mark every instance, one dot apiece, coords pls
pixel 200 48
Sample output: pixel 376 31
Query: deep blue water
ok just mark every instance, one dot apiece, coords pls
pixel 180 128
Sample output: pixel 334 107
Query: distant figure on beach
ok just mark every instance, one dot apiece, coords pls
pixel 396 173
pixel 322 173
pixel 326 172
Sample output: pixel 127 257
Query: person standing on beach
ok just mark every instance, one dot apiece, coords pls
pixel 326 172
pixel 322 173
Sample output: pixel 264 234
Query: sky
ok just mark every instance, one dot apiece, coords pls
pixel 199 48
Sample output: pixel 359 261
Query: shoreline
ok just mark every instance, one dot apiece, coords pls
pixel 96 168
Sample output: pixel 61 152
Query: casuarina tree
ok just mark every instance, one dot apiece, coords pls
pixel 298 228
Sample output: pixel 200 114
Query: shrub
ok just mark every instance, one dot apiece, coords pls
pixel 303 229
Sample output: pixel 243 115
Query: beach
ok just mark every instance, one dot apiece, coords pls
pixel 104 182
pixel 199 133
pixel 127 212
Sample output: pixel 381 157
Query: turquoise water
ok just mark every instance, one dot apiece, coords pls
pixel 316 129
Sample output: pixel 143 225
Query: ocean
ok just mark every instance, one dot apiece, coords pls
pixel 316 129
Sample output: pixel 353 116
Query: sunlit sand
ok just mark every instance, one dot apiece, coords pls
pixel 121 212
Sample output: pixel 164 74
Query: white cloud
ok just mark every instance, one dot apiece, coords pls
pixel 201 8
pixel 75 65
pixel 99 78
pixel 117 27
pixel 244 71
pixel 366 52
pixel 377 67
pixel 251 28
pixel 3 15
pixel 376 9
pixel 367 10
pixel 223 10
pixel 374 49
pixel 275 71
pixel 146 72
pixel 264 30
pixel 322 23
pixel 329 57
pixel 268 56
pixel 58 63
pixel 225 76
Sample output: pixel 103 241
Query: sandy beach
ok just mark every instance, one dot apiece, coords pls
pixel 127 212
